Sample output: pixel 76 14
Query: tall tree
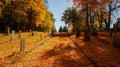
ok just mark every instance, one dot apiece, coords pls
pixel 71 16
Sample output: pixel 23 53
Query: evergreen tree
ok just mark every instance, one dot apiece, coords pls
pixel 65 29
pixel 72 16
pixel 60 29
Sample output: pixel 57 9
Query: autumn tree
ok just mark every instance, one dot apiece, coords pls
pixel 49 21
pixel 107 7
pixel 25 15
pixel 112 5
pixel 54 28
pixel 85 6
pixel 103 8
pixel 12 14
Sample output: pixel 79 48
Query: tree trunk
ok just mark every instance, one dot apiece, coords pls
pixel 86 22
pixel 87 30
pixel 109 19
pixel 100 23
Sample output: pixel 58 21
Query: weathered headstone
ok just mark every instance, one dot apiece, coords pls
pixel 35 32
pixel 12 36
pixel 40 36
pixel 8 30
pixel 22 45
pixel 32 33
pixel 19 35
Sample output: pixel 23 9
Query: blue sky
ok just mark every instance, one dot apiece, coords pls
pixel 57 7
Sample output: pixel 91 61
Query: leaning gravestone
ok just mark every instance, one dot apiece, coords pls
pixel 19 35
pixel 12 36
pixel 22 45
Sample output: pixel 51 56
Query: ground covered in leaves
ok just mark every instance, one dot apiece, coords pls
pixel 62 52
pixel 100 50
pixel 56 52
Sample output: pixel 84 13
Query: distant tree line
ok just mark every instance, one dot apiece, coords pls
pixel 63 29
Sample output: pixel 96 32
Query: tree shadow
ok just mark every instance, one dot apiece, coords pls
pixel 58 50
pixel 66 56
pixel 102 53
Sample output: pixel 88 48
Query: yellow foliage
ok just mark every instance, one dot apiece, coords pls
pixel 44 17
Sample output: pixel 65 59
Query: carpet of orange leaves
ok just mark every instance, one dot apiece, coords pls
pixel 56 52
pixel 62 52
pixel 7 48
pixel 105 54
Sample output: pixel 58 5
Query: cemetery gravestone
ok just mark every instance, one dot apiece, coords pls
pixel 12 36
pixel 22 45
pixel 8 30
pixel 31 33
pixel 19 35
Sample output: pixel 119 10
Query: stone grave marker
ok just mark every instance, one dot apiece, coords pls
pixel 22 45
pixel 40 36
pixel 33 33
pixel 19 35
pixel 8 30
pixel 12 35
pixel 30 33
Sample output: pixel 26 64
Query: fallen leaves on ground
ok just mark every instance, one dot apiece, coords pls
pixel 62 52
pixel 8 49
pixel 106 55
pixel 56 52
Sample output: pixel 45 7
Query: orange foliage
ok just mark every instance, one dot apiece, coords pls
pixel 92 3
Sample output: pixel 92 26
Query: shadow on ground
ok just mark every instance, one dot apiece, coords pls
pixel 104 54
pixel 66 55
